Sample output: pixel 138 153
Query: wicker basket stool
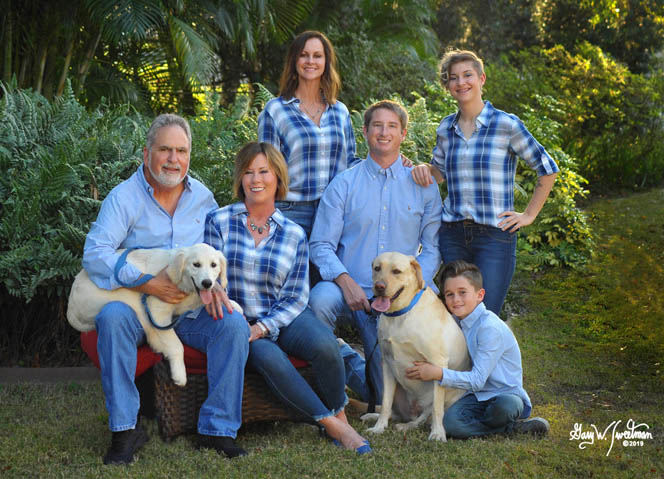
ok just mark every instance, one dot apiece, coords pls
pixel 177 407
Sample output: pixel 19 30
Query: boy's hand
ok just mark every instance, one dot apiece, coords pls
pixel 424 371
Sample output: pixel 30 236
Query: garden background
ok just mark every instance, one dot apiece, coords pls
pixel 82 80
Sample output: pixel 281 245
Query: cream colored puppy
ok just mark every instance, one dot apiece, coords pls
pixel 427 332
pixel 194 269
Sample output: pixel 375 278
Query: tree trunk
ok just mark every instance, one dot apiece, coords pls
pixel 7 68
pixel 85 65
pixel 41 65
pixel 65 68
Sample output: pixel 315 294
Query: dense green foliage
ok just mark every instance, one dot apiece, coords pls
pixel 611 119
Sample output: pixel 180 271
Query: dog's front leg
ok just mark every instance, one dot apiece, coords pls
pixel 166 342
pixel 438 411
pixel 389 389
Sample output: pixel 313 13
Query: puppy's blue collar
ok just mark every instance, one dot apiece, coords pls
pixel 412 304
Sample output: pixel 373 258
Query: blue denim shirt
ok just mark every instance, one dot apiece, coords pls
pixel 368 210
pixel 496 359
pixel 130 217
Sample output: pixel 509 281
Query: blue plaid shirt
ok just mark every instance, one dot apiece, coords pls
pixel 480 171
pixel 314 154
pixel 270 281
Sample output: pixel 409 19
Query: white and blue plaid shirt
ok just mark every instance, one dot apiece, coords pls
pixel 480 170
pixel 314 154
pixel 270 281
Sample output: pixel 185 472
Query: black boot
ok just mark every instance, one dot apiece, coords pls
pixel 222 444
pixel 124 444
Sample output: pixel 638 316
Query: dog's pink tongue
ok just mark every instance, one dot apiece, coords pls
pixel 206 296
pixel 381 303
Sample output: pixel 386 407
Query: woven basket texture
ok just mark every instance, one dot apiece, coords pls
pixel 177 407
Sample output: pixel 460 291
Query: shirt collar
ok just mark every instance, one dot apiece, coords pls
pixel 469 321
pixel 484 116
pixel 395 170
pixel 148 186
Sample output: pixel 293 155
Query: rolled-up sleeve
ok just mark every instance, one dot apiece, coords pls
pixel 429 258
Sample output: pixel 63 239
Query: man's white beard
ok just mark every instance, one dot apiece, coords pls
pixel 166 179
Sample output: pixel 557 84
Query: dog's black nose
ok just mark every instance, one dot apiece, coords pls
pixel 206 283
pixel 379 288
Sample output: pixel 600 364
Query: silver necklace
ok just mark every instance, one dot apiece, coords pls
pixel 259 228
pixel 306 110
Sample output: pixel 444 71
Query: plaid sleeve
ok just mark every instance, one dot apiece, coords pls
pixel 267 130
pixel 212 233
pixel 351 155
pixel 294 293
pixel 529 149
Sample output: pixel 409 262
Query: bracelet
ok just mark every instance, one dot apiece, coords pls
pixel 263 328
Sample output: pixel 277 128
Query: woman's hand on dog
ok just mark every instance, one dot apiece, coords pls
pixel 424 371
pixel 163 288
pixel 219 298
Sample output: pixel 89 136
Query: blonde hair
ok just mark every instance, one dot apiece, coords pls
pixel 452 57
pixel 330 82
pixel 274 159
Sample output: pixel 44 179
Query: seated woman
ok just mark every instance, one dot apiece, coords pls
pixel 268 276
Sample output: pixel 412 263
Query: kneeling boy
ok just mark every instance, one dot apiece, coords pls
pixel 495 401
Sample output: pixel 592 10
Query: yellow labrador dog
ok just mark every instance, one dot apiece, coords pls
pixel 426 332
pixel 194 269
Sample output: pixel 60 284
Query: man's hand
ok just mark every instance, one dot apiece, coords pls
pixel 424 371
pixel 354 295
pixel 163 288
pixel 219 298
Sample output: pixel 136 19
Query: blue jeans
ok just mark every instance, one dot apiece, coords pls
pixel 300 212
pixel 225 341
pixel 490 248
pixel 327 302
pixel 469 417
pixel 305 338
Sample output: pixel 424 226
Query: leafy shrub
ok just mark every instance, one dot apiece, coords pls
pixel 610 119
pixel 60 162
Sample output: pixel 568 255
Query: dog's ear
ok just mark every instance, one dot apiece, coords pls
pixel 418 272
pixel 222 270
pixel 176 267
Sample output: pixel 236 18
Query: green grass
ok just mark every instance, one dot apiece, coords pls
pixel 592 345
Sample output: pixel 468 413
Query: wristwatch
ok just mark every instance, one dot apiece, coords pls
pixel 263 328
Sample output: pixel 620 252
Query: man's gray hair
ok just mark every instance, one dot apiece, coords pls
pixel 167 119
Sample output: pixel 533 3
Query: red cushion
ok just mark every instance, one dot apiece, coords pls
pixel 194 360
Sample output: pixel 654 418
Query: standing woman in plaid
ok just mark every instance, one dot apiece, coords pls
pixel 310 127
pixel 476 153
pixel 268 275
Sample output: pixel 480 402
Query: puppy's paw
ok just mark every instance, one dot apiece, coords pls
pixel 370 416
pixel 179 376
pixel 438 436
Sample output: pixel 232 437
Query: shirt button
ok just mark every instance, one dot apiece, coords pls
pixel 382 227
pixel 382 246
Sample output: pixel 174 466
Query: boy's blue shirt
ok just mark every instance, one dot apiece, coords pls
pixel 496 359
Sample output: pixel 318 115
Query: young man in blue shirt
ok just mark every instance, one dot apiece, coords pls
pixel 371 208
pixel 495 401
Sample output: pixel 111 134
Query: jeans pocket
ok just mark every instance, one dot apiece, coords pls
pixel 496 234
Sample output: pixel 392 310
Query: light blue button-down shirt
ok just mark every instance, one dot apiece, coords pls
pixel 496 359
pixel 367 210
pixel 130 217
